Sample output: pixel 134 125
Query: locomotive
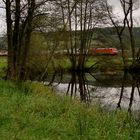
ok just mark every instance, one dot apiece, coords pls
pixel 103 51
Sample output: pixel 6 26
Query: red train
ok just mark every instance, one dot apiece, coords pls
pixel 103 51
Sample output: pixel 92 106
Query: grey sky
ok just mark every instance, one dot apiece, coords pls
pixel 2 19
pixel 115 3
pixel 118 10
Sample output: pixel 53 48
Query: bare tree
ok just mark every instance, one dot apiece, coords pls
pixel 119 26
pixel 79 20
pixel 19 18
pixel 126 23
pixel 128 7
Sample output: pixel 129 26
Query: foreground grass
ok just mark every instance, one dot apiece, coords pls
pixel 30 111
pixel 3 65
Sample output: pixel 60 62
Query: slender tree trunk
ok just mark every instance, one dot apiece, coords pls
pixel 10 71
pixel 18 36
pixel 130 27
pixel 27 38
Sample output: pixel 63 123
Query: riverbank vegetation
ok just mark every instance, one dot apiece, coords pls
pixel 32 111
pixel 48 36
pixel 68 26
pixel 61 64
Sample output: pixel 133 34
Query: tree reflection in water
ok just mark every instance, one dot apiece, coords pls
pixel 134 85
pixel 79 83
pixel 120 90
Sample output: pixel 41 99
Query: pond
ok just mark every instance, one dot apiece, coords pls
pixel 111 90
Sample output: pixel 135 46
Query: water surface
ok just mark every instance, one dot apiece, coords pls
pixel 111 90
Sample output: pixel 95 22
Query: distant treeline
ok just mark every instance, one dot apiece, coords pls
pixel 104 37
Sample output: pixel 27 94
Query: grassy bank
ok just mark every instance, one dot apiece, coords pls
pixel 37 65
pixel 30 111
pixel 3 66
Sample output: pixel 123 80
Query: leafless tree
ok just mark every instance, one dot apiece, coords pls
pixel 124 24
pixel 80 17
pixel 19 18
pixel 119 26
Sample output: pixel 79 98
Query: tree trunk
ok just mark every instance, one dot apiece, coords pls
pixel 11 69
pixel 26 47
pixel 18 36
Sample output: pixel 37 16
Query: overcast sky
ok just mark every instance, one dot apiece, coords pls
pixel 2 18
pixel 118 10
pixel 115 3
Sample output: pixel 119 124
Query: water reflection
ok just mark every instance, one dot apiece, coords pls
pixel 134 92
pixel 78 83
pixel 111 90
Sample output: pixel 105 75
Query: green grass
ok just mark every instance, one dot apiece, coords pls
pixel 105 63
pixel 3 65
pixel 3 62
pixel 30 111
pixel 38 64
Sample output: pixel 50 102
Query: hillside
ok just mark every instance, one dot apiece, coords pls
pixel 102 37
